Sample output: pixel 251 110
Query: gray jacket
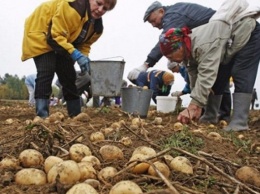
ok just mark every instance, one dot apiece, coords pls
pixel 177 16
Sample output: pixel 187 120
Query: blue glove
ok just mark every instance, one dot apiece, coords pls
pixel 82 60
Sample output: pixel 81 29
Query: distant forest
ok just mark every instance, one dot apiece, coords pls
pixel 14 88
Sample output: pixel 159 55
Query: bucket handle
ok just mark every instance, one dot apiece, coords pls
pixel 112 58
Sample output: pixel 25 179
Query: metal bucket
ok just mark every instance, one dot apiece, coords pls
pixel 136 100
pixel 106 77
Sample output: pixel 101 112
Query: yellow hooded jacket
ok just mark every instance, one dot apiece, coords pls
pixel 56 25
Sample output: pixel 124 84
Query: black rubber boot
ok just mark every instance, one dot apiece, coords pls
pixel 42 107
pixel 211 110
pixel 73 107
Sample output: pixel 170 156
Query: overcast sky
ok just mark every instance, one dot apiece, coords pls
pixel 125 35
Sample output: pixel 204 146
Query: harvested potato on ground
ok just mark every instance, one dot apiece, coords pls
pixel 93 160
pixel 97 136
pixel 145 151
pixel 181 164
pixel 78 151
pixel 68 172
pixel 125 187
pixel 83 117
pixel 136 121
pixel 31 158
pixel 249 175
pixel 157 120
pixel 140 167
pixel 87 171
pixel 115 125
pixel 215 136
pixel 126 141
pixel 93 182
pixel 106 172
pixel 167 158
pixel 107 131
pixel 57 116
pixel 178 126
pixel 222 124
pixel 111 152
pixel 10 163
pixel 82 188
pixel 162 167
pixel 30 176
pixel 50 162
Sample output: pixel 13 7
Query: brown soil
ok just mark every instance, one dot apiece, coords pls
pixel 214 163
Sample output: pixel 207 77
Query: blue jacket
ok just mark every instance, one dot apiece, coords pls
pixel 184 74
pixel 180 15
pixel 153 80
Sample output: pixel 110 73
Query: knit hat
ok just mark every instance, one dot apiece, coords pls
pixel 154 6
pixel 173 39
pixel 168 78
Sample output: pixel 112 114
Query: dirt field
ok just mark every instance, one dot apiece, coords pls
pixel 214 162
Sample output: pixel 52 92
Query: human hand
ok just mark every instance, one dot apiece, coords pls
pixel 132 75
pixel 176 94
pixel 82 60
pixel 193 112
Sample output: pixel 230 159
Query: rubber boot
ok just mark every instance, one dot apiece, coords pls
pixel 73 107
pixel 96 101
pixel 42 107
pixel 241 106
pixel 211 110
pixel 225 107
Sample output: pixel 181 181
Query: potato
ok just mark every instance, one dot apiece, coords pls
pixel 157 120
pixel 140 167
pixel 167 158
pixel 136 121
pixel 222 124
pixel 107 130
pixel 68 172
pixel 10 163
pixel 126 187
pixel 248 175
pixel 50 162
pixel 83 117
pixel 145 151
pixel 126 141
pixel 215 136
pixel 37 119
pixel 106 172
pixel 78 151
pixel 30 176
pixel 115 125
pixel 162 167
pixel 181 164
pixel 97 136
pixel 57 116
pixel 82 188
pixel 87 171
pixel 31 158
pixel 93 160
pixel 178 126
pixel 93 182
pixel 111 152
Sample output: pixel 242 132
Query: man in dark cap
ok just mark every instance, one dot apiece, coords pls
pixel 166 17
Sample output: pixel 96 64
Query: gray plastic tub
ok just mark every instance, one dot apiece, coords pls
pixel 136 100
pixel 106 77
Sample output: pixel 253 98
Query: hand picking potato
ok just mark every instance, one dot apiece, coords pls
pixel 31 158
pixel 30 176
pixel 78 151
pixel 111 152
pixel 126 187
pixel 50 162
pixel 68 172
pixel 82 188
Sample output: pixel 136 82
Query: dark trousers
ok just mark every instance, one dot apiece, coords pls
pixel 49 63
pixel 243 67
pixel 225 106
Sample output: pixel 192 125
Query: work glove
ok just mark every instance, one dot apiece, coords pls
pixel 176 94
pixel 132 75
pixel 82 60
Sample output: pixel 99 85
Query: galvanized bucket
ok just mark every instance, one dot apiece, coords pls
pixel 136 100
pixel 106 77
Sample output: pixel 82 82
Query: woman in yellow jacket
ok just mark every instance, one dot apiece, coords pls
pixel 57 34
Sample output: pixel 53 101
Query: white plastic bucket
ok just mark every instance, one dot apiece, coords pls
pixel 166 104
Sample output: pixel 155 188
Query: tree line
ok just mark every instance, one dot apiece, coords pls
pixel 14 88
